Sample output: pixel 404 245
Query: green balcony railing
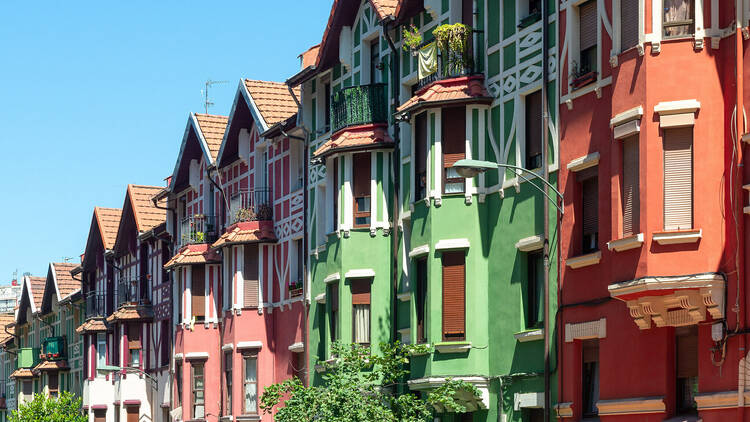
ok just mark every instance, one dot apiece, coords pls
pixel 359 105
pixel 53 348
pixel 28 357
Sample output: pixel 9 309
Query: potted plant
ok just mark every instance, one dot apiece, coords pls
pixel 295 288
pixel 581 76
pixel 412 39
pixel 454 42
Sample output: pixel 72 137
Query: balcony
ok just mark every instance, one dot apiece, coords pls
pixel 359 105
pixel 198 229
pixel 449 63
pixel 250 205
pixel 53 348
pixel 96 305
pixel 129 293
pixel 28 357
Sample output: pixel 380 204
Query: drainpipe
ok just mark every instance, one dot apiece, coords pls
pixel 396 168
pixel 545 166
pixel 739 222
pixel 305 247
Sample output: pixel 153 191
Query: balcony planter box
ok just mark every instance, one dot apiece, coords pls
pixel 583 80
pixel 295 292
pixel 529 20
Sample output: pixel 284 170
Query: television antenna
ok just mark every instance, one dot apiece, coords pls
pixel 206 101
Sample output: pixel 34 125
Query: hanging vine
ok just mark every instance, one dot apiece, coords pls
pixel 453 42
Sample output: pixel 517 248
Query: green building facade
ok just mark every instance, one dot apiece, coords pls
pixel 440 260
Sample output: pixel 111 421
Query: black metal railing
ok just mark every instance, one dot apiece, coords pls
pixel 197 229
pixel 452 63
pixel 250 205
pixel 96 305
pixel 132 292
pixel 359 105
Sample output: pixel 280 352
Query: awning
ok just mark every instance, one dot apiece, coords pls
pixel 364 137
pixel 454 91
pixel 92 326
pixel 193 255
pixel 246 232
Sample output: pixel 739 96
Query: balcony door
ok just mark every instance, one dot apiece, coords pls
pixel 374 60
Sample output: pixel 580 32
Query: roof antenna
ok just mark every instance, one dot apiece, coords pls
pixel 206 102
pixel 68 258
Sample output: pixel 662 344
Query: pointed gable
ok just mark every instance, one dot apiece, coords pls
pixel 201 140
pixel 32 293
pixel 139 215
pixel 102 233
pixel 212 127
pixel 272 100
pixel 384 8
pixel 58 284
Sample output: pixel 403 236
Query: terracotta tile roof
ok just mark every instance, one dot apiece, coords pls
pixel 92 326
pixel 132 314
pixel 37 290
pixel 310 57
pixel 193 254
pixel 109 222
pixel 384 8
pixel 48 365
pixel 147 216
pixel 66 284
pixel 246 232
pixel 357 137
pixel 23 373
pixel 212 127
pixel 455 90
pixel 5 320
pixel 273 100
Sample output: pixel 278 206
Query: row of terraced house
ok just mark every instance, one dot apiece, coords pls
pixel 330 207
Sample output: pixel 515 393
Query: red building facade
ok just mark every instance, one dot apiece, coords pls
pixel 653 285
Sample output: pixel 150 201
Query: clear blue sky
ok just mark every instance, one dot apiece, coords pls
pixel 96 95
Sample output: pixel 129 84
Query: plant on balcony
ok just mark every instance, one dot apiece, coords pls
pixel 453 41
pixel 295 288
pixel 245 214
pixel 581 75
pixel 358 386
pixel 65 408
pixel 412 39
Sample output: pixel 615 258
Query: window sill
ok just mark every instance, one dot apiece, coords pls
pixel 677 237
pixel 626 243
pixel 453 347
pixel 529 335
pixel 404 297
pixel 248 418
pixel 584 260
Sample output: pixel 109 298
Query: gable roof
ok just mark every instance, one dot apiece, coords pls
pixel 108 220
pixel 66 284
pixel 272 100
pixel 384 8
pixel 310 57
pixel 31 295
pixel 147 215
pixel 5 320
pixel 209 131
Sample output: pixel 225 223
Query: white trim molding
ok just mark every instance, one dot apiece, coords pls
pixel 472 404
pixel 245 345
pixel 533 400
pixel 631 406
pixel 677 237
pixel 453 347
pixel 677 107
pixel 404 297
pixel 584 260
pixel 227 347
pixel 531 243
pixel 321 298
pixel 689 298
pixel 178 356
pixel 586 330
pixel 564 410
pixel 446 244
pixel 360 273
pixel 196 355
pixel 634 113
pixel 582 163
pixel 419 251
pixel 626 243
pixel 298 347
pixel 330 278
pixel 529 335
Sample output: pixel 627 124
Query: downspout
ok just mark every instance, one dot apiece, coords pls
pixel 305 247
pixel 396 168
pixel 545 166
pixel 739 222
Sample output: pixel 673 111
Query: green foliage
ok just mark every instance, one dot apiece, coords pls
pixel 412 38
pixel 65 408
pixel 453 37
pixel 360 387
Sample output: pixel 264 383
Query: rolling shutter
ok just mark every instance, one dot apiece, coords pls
pixel 628 24
pixel 454 135
pixel 590 351
pixel 198 291
pixel 587 27
pixel 533 129
pixel 590 205
pixel 362 174
pixel 630 189
pixel 361 292
pixel 134 336
pixel 251 297
pixel 678 179
pixel 454 296
pixel 687 355
pixel 420 143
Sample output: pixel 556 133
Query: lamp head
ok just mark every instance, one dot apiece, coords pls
pixel 471 168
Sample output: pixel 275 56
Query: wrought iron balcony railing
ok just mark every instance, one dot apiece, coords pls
pixel 53 348
pixel 451 63
pixel 250 205
pixel 131 292
pixel 359 105
pixel 197 229
pixel 96 305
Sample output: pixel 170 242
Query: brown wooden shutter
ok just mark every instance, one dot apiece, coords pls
pixel 454 296
pixel 132 413
pixel 587 27
pixel 134 336
pixel 533 126
pixel 420 143
pixel 687 354
pixel 590 202
pixel 453 123
pixel 361 292
pixel 628 24
pixel 198 290
pixel 678 179
pixel 251 297
pixel 630 187
pixel 361 172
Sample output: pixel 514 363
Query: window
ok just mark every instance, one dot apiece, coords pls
pixel 250 385
pixel 361 311
pixel 361 173
pixel 228 383
pixel 198 391
pixel 630 188
pixel 53 383
pixel 535 290
pixel 587 26
pixel 165 343
pixel 296 158
pixel 374 60
pixel 420 156
pixel 101 350
pixel 27 390
pixel 327 111
pixel 250 273
pixel 687 369
pixel 628 24
pixel 298 365
pixel 323 225
pixel 678 179
pixel 299 267
pixel 679 18
pixel 334 299
pixel 134 344
pixel 589 208
pixel 178 383
pixel 533 415
pixel 421 300
pixel 335 188
pixel 454 296
pixel 590 378
pixel 454 147
pixel 117 413
pixel 198 293
pixel 180 277
pixel 533 127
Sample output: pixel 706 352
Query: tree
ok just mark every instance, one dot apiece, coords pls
pixel 65 408
pixel 361 387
